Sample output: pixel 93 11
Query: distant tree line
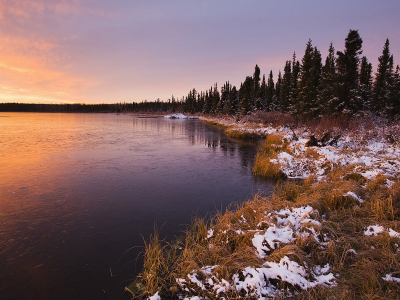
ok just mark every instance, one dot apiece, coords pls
pixel 71 108
pixel 307 89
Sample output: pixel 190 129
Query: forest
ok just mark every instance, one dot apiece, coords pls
pixel 344 84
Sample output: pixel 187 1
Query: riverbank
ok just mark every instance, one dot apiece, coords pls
pixel 336 234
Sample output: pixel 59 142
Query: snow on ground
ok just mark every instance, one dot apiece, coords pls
pixel 376 229
pixel 257 280
pixel 389 278
pixel 368 160
pixel 179 116
pixel 284 226
pixel 155 297
pixel 369 152
pixel 355 197
pixel 290 223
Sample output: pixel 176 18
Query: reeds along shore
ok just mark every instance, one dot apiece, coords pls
pixel 333 235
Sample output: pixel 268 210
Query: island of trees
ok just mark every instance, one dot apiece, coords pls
pixel 344 84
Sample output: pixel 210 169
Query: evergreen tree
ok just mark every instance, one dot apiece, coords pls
pixel 286 87
pixel 215 100
pixel 365 82
pixel 200 101
pixel 270 92
pixel 234 102
pixel 310 75
pixel 394 94
pixel 294 84
pixel 173 104
pixel 383 79
pixel 208 101
pixel 246 94
pixel 328 101
pixel 224 103
pixel 276 98
pixel 347 66
pixel 261 95
pixel 256 80
pixel 316 81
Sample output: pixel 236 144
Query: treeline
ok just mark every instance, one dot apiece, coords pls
pixel 344 84
pixel 72 108
pixel 308 88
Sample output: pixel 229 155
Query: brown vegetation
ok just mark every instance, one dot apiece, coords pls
pixel 359 271
pixel 344 204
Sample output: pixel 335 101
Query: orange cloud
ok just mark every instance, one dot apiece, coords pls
pixel 24 11
pixel 34 66
pixel 32 75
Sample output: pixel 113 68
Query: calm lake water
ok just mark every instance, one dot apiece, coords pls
pixel 79 191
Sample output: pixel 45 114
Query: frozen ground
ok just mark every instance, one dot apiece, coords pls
pixel 369 152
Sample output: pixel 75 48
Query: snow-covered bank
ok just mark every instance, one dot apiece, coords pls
pixel 335 234
pixel 282 227
pixel 369 152
pixel 179 116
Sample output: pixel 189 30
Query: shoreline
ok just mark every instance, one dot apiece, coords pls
pixel 335 234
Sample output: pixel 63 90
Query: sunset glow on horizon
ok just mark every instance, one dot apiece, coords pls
pixel 72 51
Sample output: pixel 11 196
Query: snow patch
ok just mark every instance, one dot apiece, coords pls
pixel 155 297
pixel 355 197
pixel 291 222
pixel 179 116
pixel 390 278
pixel 257 281
pixel 376 229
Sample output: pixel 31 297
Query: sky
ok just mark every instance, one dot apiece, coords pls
pixel 101 51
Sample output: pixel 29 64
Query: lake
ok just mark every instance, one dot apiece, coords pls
pixel 79 192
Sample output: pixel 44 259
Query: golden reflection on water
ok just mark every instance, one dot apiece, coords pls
pixel 77 190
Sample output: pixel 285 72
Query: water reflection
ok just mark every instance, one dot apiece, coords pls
pixel 78 190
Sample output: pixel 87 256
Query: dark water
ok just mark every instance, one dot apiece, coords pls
pixel 78 192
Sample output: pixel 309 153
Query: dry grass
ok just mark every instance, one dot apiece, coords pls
pixel 237 133
pixel 359 276
pixel 263 166
pixel 359 262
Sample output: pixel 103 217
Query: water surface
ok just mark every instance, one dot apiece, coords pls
pixel 79 191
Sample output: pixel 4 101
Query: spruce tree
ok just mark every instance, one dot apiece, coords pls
pixel 276 98
pixel 327 96
pixel 208 101
pixel 200 101
pixel 394 94
pixel 347 66
pixel 173 104
pixel 261 95
pixel 383 80
pixel 309 82
pixel 223 103
pixel 365 87
pixel 246 94
pixel 256 80
pixel 234 108
pixel 270 92
pixel 286 87
pixel 216 99
pixel 294 83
